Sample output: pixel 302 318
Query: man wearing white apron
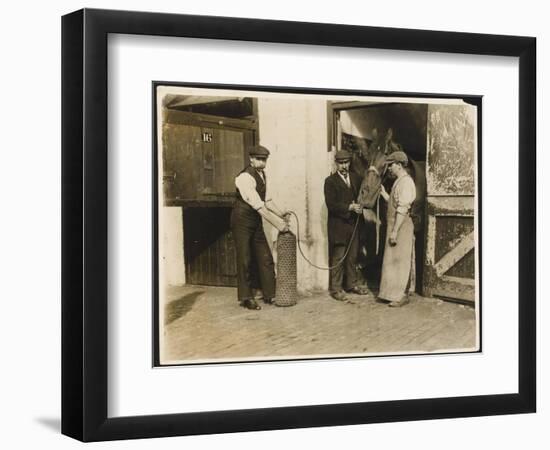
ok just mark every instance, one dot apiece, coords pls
pixel 398 265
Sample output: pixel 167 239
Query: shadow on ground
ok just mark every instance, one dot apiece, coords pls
pixel 53 423
pixel 178 308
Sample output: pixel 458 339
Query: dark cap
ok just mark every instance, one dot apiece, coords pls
pixel 397 156
pixel 258 150
pixel 342 155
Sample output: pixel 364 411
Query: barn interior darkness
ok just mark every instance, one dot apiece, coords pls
pixel 408 122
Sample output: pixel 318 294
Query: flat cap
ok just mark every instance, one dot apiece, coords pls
pixel 342 155
pixel 258 150
pixel 397 156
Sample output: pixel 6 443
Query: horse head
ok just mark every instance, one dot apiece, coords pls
pixel 381 146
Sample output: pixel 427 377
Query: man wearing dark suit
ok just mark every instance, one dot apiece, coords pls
pixel 341 189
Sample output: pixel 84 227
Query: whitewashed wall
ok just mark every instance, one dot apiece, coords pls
pixel 296 134
pixel 172 239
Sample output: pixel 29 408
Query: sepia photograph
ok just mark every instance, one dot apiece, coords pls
pixel 294 224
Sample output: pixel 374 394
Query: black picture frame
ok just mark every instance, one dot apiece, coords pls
pixel 84 224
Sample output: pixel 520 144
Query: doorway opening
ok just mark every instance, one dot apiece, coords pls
pixel 208 247
pixel 355 126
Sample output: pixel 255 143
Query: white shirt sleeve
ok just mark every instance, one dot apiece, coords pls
pixel 246 184
pixel 405 194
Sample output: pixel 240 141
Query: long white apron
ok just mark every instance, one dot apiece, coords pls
pixel 398 275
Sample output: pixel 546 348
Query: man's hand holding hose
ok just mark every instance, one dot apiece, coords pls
pixel 275 216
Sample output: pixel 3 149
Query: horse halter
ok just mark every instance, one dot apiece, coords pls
pixel 373 169
pixel 377 172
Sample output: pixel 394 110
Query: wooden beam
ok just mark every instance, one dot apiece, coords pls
pixel 347 105
pixel 459 280
pixel 455 288
pixel 455 255
pixel 430 241
pixel 451 205
pixel 199 119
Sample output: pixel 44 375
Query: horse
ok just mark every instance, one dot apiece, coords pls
pixel 375 156
pixel 369 162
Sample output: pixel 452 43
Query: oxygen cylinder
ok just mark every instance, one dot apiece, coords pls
pixel 286 270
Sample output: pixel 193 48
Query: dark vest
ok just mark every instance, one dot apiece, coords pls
pixel 260 185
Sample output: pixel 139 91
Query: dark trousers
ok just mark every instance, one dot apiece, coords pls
pixel 255 268
pixel 345 275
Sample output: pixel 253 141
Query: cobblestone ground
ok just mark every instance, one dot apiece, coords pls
pixel 206 323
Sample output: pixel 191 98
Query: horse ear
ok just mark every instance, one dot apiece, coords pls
pixel 375 133
pixel 389 135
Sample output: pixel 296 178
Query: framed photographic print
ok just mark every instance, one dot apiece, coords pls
pixel 254 209
pixel 211 240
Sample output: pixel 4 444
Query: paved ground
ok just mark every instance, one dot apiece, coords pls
pixel 206 323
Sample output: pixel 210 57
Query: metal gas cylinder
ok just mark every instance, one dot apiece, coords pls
pixel 286 270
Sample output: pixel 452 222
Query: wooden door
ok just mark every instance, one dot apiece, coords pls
pixel 450 258
pixel 182 155
pixel 200 161
pixel 209 249
pixel 223 157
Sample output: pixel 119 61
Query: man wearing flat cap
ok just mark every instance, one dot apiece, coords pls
pixel 398 263
pixel 341 189
pixel 255 268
